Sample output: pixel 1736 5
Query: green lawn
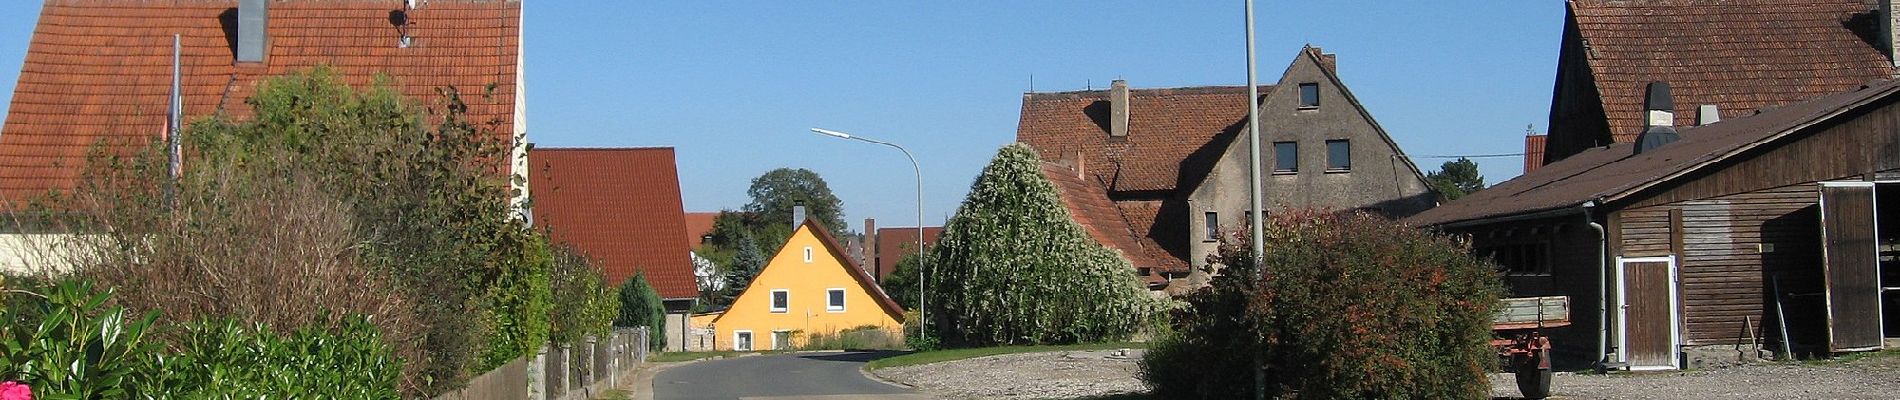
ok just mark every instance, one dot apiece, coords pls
pixel 937 356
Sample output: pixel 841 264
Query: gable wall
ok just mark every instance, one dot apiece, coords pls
pixel 1379 178
pixel 806 284
pixel 1577 119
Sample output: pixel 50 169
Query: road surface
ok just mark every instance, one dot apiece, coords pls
pixel 812 376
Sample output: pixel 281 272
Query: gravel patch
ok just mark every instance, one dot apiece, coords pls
pixel 1873 378
pixel 1051 375
pixel 1087 374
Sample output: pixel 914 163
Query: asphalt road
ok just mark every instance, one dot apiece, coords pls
pixel 826 376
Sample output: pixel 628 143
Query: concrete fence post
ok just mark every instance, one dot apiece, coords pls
pixel 538 374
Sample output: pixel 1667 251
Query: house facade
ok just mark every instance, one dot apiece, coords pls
pixel 811 286
pixel 1159 173
pixel 1724 59
pixel 1771 228
pixel 621 208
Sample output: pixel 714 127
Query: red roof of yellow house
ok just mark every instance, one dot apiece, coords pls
pixel 101 69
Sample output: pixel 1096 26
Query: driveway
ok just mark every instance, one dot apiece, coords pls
pixel 812 376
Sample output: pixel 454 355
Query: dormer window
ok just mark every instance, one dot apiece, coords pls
pixel 1309 96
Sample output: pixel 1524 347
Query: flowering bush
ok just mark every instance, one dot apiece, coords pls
pixel 1349 306
pixel 11 390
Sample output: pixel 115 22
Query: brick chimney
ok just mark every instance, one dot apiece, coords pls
pixel 870 250
pixel 798 215
pixel 1118 109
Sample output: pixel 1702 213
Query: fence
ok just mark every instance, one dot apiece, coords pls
pixel 562 372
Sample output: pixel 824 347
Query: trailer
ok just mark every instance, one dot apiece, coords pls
pixel 1522 347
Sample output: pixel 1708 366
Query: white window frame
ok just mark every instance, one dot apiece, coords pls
pixel 808 254
pixel 772 302
pixel 750 342
pixel 788 339
pixel 841 299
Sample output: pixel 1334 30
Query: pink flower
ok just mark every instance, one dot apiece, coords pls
pixel 11 390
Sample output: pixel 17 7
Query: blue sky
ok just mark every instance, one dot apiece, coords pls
pixel 735 86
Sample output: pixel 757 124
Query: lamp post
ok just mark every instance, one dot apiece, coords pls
pixel 922 322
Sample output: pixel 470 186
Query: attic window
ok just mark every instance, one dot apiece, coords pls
pixel 808 254
pixel 1309 96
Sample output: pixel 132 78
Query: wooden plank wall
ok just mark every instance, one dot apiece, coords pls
pixel 1728 248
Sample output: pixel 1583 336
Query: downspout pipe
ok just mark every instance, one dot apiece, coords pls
pixel 1603 286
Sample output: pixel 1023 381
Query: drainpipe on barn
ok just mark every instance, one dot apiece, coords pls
pixel 1603 286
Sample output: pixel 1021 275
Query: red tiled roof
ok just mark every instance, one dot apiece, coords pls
pixel 698 225
pixel 1741 55
pixel 1089 205
pixel 1165 127
pixel 101 69
pixel 621 207
pixel 894 243
pixel 1533 152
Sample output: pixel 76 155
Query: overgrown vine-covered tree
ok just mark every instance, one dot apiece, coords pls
pixel 1013 267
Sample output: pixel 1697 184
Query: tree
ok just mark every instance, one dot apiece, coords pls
pixel 1024 271
pixel 640 305
pixel 774 193
pixel 747 262
pixel 1456 179
pixel 901 284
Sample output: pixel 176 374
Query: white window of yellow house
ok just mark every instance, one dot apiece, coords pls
pixel 834 300
pixel 781 339
pixel 808 254
pixel 781 300
pixel 742 340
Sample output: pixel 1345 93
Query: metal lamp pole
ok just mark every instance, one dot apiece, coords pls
pixel 922 322
pixel 1255 219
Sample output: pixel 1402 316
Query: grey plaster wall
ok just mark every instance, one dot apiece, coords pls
pixel 1380 179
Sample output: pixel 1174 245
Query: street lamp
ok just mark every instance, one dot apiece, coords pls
pixel 922 322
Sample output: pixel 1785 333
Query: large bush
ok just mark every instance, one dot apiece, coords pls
pixel 584 303
pixel 1350 306
pixel 227 359
pixel 329 198
pixel 1013 267
pixel 640 305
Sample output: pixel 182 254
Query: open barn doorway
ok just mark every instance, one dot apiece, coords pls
pixel 1887 213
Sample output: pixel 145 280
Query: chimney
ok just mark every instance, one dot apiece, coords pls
pixel 1118 109
pixel 1659 110
pixel 251 27
pixel 1081 166
pixel 870 249
pixel 1889 30
pixel 1707 114
pixel 1329 61
pixel 798 215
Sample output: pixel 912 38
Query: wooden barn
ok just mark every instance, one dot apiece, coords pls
pixel 1770 228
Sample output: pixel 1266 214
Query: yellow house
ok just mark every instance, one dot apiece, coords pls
pixel 809 287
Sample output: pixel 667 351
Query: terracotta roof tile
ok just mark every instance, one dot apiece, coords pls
pixel 1741 55
pixel 1105 220
pixel 698 225
pixel 894 243
pixel 101 69
pixel 620 207
pixel 1165 127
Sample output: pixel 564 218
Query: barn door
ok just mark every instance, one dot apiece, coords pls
pixel 1851 265
pixel 1646 318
